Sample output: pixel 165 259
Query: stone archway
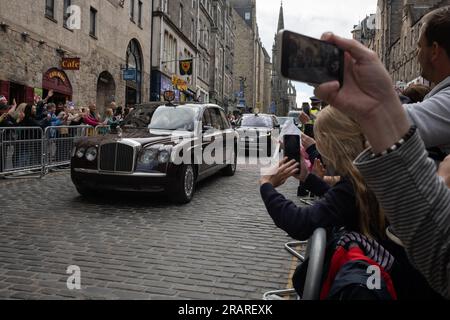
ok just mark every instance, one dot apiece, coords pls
pixel 106 91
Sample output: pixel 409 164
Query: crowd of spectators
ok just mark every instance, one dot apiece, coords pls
pixel 43 113
pixel 383 146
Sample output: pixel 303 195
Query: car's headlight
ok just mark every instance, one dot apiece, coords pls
pixel 164 156
pixel 91 154
pixel 148 155
pixel 80 152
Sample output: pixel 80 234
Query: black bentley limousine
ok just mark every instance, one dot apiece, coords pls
pixel 157 148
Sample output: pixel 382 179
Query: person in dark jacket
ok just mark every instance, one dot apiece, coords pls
pixel 28 146
pixel 349 204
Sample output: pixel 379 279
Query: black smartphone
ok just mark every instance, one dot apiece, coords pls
pixel 292 147
pixel 309 60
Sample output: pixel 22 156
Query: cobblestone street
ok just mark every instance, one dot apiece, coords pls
pixel 223 245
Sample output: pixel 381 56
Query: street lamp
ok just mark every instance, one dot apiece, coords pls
pixel 4 25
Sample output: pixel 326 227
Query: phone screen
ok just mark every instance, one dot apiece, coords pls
pixel 310 60
pixel 292 147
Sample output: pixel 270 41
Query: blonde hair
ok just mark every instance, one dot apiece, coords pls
pixel 339 141
pixel 109 112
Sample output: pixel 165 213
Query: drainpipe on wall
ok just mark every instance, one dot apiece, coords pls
pixel 151 49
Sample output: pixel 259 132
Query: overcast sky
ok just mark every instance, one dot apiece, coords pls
pixel 312 18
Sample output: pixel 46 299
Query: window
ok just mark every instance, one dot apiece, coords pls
pixel 219 18
pixel 132 10
pixel 50 8
pixel 247 16
pixel 216 120
pixel 164 5
pixel 181 16
pixel 170 52
pixel 207 118
pixel 192 29
pixel 93 27
pixel 226 123
pixel 140 14
pixel 67 4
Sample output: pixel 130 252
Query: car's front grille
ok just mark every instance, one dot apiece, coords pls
pixel 116 157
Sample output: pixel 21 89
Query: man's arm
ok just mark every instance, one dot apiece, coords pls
pixel 417 204
pixel 399 177
pixel 432 118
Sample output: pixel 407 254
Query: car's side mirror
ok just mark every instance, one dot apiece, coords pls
pixel 277 126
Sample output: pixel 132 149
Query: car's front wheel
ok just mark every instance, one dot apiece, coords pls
pixel 184 190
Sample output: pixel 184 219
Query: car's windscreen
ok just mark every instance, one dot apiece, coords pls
pixel 258 122
pixel 294 114
pixel 283 121
pixel 139 117
pixel 174 118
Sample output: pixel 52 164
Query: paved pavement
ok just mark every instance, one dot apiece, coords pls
pixel 223 245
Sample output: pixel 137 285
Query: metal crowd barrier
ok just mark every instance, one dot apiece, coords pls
pixel 102 130
pixel 21 149
pixel 59 142
pixel 34 150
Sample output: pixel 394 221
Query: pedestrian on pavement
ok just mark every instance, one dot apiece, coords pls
pixel 92 118
pixel 396 167
pixel 3 103
pixel 41 106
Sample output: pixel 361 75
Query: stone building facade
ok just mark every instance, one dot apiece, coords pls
pixel 249 58
pixel 175 37
pixel 197 30
pixel 267 101
pixel 113 37
pixel 283 96
pixel 222 55
pixel 397 32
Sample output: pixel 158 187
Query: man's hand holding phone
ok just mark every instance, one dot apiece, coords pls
pixel 309 60
pixel 367 95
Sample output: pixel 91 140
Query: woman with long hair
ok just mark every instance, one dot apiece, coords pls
pixel 349 205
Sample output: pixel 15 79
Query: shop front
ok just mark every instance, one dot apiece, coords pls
pixel 16 91
pixel 57 80
pixel 161 83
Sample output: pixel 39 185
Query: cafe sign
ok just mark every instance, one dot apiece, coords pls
pixel 70 63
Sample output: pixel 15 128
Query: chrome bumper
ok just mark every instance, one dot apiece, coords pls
pixel 134 174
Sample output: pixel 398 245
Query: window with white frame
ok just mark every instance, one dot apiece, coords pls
pixel 170 53
pixel 164 5
pixel 181 16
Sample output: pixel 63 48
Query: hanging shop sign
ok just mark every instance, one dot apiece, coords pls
pixel 179 83
pixel 129 74
pixel 186 67
pixel 70 63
